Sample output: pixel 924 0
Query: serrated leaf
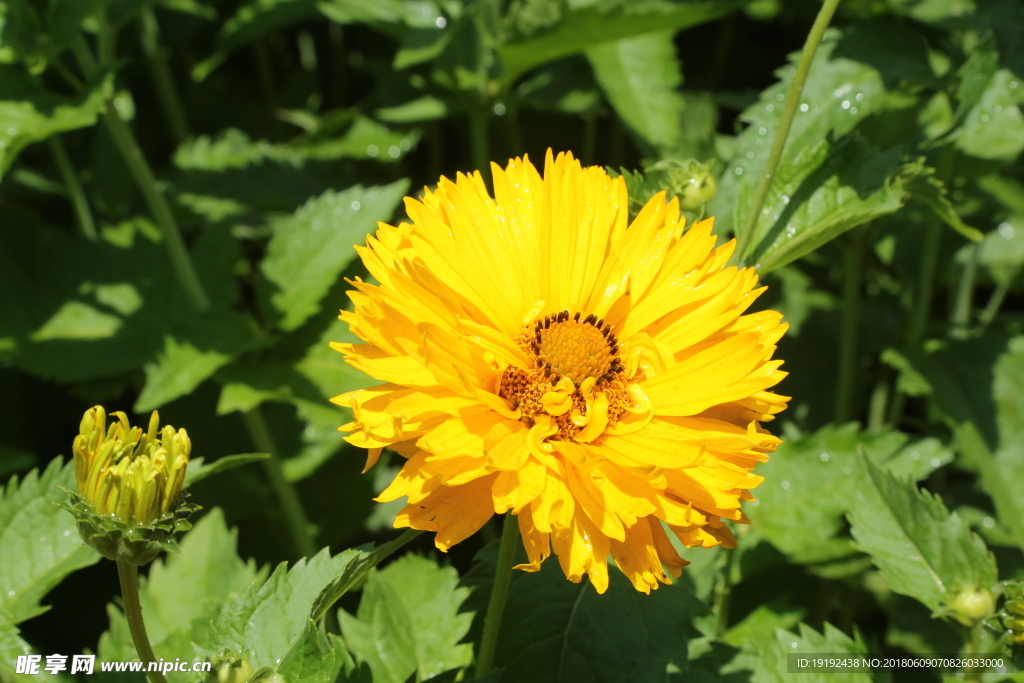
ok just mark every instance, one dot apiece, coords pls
pixel 193 355
pixel 183 592
pixel 810 482
pixel 38 540
pixel 30 113
pixel 641 76
pixel 309 250
pixel 767 658
pixel 409 623
pixel 554 630
pixel 590 25
pixel 12 645
pixel 923 550
pixel 314 658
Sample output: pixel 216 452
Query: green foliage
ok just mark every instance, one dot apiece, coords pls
pixel 39 540
pixel 306 255
pixel 923 550
pixel 266 123
pixel 812 482
pixel 409 622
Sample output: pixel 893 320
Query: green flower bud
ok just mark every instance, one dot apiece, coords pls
pixel 1012 615
pixel 237 671
pixel 689 180
pixel 972 606
pixel 129 501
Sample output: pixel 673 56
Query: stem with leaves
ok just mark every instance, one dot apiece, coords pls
pixel 78 201
pixel 291 504
pixel 163 80
pixel 960 319
pixel 995 302
pixel 129 576
pixel 499 595
pixel 746 231
pixel 147 184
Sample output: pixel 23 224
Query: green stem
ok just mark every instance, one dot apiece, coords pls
pixel 78 200
pixel 499 594
pixel 480 139
pixel 879 401
pixel 960 320
pixel 129 576
pixel 853 273
pixel 995 302
pixel 796 87
pixel 723 594
pixel 146 181
pixel 265 75
pixel 291 505
pixel 590 138
pixel 972 648
pixel 163 80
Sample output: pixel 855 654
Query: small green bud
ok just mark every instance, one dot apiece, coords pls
pixel 1012 615
pixel 690 180
pixel 129 501
pixel 238 671
pixel 972 606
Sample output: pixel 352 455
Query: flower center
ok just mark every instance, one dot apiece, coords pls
pixel 576 385
pixel 575 348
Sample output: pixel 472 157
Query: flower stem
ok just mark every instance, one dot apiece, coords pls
pixel 480 140
pixel 723 593
pixel 499 594
pixel 746 233
pixel 291 505
pixel 853 274
pixel 960 319
pixel 129 576
pixel 995 302
pixel 149 34
pixel 146 181
pixel 78 200
pixel 972 648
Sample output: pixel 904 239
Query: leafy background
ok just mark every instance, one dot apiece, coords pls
pixel 275 134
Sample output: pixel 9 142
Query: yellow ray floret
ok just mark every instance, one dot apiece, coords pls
pixel 541 355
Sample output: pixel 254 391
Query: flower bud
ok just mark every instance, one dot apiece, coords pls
pixel 237 671
pixel 689 180
pixel 129 501
pixel 972 606
pixel 1012 615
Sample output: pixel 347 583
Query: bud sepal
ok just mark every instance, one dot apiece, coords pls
pixel 137 543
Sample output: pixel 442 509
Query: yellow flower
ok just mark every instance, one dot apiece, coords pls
pixel 122 471
pixel 539 356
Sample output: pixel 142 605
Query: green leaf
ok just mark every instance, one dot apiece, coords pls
pixel 31 113
pixel 199 470
pixel 588 25
pixel 183 592
pixel 38 540
pixel 409 622
pixel 930 190
pixel 12 645
pixel 272 618
pixel 923 550
pixel 251 22
pixel 309 250
pixel 994 127
pixel 193 355
pixel 641 76
pixel 810 483
pixel 314 658
pixel 767 658
pixel 1002 251
pixel 556 630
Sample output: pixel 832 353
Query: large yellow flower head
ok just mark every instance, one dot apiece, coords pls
pixel 540 354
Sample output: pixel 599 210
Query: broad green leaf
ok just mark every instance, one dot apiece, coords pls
pixel 352 11
pixel 12 645
pixel 309 250
pixel 183 592
pixel 923 550
pixel 567 86
pixel 38 541
pixel 193 355
pixel 588 25
pixel 556 630
pixel 271 617
pixel 762 623
pixel 78 320
pixel 810 483
pixel 767 658
pixel 31 113
pixel 198 469
pixel 994 127
pixel 641 76
pixel 315 658
pixel 409 621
